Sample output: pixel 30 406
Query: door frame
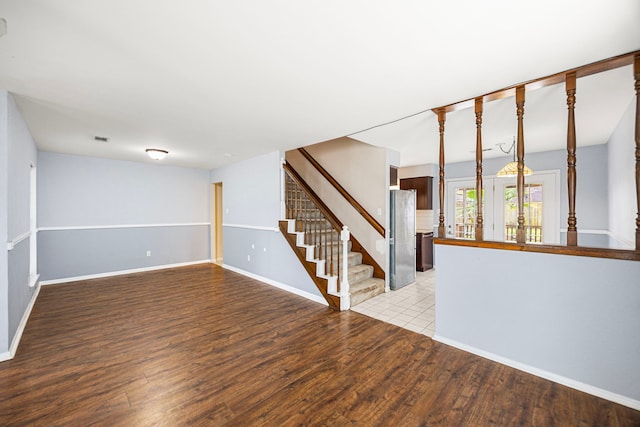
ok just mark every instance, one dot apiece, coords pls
pixel 494 205
pixel 216 213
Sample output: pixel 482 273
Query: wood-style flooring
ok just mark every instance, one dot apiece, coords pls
pixel 205 346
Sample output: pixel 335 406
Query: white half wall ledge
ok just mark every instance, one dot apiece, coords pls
pixel 576 385
pixel 121 272
pixel 284 287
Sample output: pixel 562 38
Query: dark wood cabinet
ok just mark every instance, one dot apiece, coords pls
pixel 424 190
pixel 424 251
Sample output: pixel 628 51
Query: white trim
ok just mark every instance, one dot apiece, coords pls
pixel 12 243
pixel 23 323
pixel 97 227
pixel 252 227
pixel 121 272
pixel 291 289
pixel 577 385
pixel 627 243
pixel 33 280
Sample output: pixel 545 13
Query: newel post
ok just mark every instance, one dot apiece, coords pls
pixel 441 119
pixel 521 236
pixel 345 298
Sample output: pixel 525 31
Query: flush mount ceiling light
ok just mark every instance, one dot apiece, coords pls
pixel 511 168
pixel 156 154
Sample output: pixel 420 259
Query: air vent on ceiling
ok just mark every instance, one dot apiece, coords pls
pixel 100 139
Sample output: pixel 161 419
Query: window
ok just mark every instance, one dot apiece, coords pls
pixel 500 203
pixel 533 208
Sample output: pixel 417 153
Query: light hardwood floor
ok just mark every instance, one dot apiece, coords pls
pixel 204 346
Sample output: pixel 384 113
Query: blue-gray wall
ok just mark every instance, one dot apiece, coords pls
pixel 622 188
pixel 4 237
pixel 98 216
pixel 18 153
pixel 592 209
pixel 22 154
pixel 251 211
pixel 574 318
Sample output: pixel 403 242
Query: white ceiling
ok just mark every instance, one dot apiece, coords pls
pixel 215 82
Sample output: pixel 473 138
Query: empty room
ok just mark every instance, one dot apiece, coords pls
pixel 291 213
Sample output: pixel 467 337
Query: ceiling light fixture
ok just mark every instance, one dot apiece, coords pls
pixel 511 168
pixel 156 154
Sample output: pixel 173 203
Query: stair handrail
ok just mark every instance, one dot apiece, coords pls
pixel 317 238
pixel 337 224
pixel 352 201
pixel 356 245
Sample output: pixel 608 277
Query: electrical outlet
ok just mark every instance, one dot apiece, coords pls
pixel 249 258
pixel 148 253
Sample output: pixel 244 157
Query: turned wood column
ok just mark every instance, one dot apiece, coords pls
pixel 479 206
pixel 441 119
pixel 572 230
pixel 521 235
pixel 636 74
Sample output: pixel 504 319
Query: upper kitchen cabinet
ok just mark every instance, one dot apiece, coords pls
pixel 424 188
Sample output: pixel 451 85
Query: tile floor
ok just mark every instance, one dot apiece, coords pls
pixel 411 307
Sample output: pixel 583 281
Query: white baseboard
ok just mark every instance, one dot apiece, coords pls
pixel 7 355
pixel 577 385
pixel 121 272
pixel 291 289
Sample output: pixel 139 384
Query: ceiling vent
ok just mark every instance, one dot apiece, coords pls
pixel 100 139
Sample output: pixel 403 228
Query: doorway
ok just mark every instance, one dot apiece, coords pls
pixel 541 202
pixel 216 223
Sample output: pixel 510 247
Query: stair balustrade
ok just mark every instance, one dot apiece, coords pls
pixel 323 233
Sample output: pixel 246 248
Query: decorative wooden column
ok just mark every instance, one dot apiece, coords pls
pixel 441 119
pixel 479 208
pixel 521 235
pixel 572 230
pixel 636 74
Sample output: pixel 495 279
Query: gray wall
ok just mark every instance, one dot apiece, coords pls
pixel 251 191
pixel 251 210
pixel 622 189
pixel 17 153
pixel 22 153
pixel 592 190
pixel 100 216
pixel 4 237
pixel 574 317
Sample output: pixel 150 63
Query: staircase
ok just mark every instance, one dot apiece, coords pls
pixel 314 237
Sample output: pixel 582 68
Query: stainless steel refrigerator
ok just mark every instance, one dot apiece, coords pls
pixel 402 239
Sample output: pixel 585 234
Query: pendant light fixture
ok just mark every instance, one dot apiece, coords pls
pixel 511 168
pixel 156 154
